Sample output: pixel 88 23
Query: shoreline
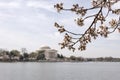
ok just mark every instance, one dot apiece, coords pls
pixel 54 61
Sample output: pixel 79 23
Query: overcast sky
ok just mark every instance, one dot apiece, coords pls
pixel 30 24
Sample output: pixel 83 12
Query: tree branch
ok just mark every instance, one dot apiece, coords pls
pixel 89 27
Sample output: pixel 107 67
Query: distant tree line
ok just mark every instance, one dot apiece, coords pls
pixel 99 59
pixel 23 56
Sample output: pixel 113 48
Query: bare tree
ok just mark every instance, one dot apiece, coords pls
pixel 99 26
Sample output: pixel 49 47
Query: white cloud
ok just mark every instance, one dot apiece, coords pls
pixel 116 5
pixel 9 5
pixel 55 36
pixel 5 15
pixel 41 4
pixel 114 36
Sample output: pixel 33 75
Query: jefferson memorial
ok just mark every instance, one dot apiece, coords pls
pixel 50 54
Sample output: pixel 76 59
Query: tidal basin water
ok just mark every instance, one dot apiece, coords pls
pixel 60 71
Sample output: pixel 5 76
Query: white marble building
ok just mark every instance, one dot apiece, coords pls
pixel 50 54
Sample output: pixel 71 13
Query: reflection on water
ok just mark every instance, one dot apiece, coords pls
pixel 60 71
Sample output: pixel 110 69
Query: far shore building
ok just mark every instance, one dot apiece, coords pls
pixel 50 54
